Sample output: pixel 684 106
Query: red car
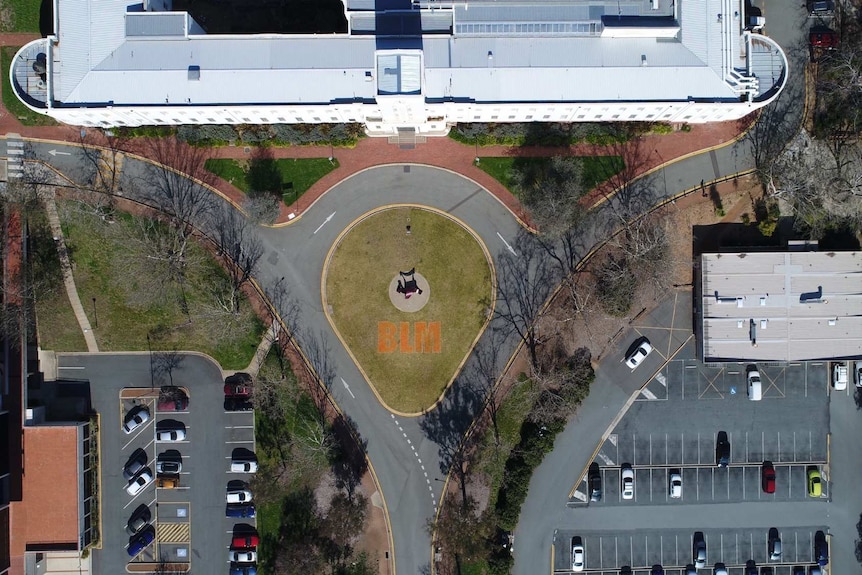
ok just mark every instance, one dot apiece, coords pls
pixel 238 385
pixel 823 38
pixel 245 541
pixel 767 475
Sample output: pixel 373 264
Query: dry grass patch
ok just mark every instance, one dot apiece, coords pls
pixel 357 284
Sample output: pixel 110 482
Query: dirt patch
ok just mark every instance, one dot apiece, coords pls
pixel 374 540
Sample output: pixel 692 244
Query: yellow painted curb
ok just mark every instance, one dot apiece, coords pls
pixel 488 318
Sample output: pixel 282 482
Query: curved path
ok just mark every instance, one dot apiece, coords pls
pixel 408 453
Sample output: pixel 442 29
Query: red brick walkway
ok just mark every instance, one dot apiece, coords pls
pixel 439 152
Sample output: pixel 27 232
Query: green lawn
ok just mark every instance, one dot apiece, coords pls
pixel 107 269
pixel 300 173
pixel 596 169
pixel 357 289
pixel 12 104
pixel 20 16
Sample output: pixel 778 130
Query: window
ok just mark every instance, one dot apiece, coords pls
pixel 530 117
pixel 281 119
pixel 211 120
pixel 316 119
pixel 246 119
pixel 265 120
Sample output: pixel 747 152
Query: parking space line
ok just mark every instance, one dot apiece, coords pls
pixel 241 441
pixel 601 553
pixel 736 546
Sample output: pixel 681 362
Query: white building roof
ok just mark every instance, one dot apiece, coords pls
pixel 791 306
pixel 109 53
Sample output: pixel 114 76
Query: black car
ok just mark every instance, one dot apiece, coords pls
pixel 136 462
pixel 722 449
pixel 139 519
pixel 594 481
pixel 821 549
pixel 237 404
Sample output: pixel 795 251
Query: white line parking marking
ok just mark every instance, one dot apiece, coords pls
pixel 648 394
pixel 607 460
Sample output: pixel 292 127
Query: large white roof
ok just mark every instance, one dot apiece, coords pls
pixel 108 53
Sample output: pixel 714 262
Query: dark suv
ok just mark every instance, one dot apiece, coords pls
pixel 722 449
pixel 821 549
pixel 594 482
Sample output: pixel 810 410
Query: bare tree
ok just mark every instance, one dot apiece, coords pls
pixel 526 281
pixel 100 171
pixel 262 208
pixel 283 309
pixel 172 185
pixel 239 243
pixel 483 375
pixel 552 191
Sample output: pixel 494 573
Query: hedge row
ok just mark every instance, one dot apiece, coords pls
pixel 553 133
pixel 340 135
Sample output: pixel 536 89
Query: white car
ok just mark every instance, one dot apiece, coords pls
pixel 640 353
pixel 858 373
pixel 627 480
pixel 171 435
pixel 578 557
pixel 139 482
pixel 238 496
pixel 136 417
pixel 675 491
pixel 243 466
pixel 755 387
pixel 243 556
pixel 839 377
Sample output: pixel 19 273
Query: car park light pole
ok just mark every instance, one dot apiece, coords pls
pixel 152 373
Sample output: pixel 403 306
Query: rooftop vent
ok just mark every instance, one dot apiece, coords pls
pixel 811 296
pixel 194 72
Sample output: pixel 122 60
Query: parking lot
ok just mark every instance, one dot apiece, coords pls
pixel 672 549
pixel 189 520
pixel 673 424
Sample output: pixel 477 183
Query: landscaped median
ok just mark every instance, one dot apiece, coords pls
pixel 409 355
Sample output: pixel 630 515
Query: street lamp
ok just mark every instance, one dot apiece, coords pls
pixel 95 314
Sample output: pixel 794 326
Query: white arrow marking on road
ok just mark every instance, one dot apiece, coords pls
pixel 56 153
pixel 508 247
pixel 326 221
pixel 347 387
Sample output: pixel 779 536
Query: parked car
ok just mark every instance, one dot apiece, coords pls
pixel 755 390
pixel 245 541
pixel 720 569
pixel 774 544
pixel 657 570
pixel 171 435
pixel 168 482
pixel 237 404
pixel 627 481
pixel 690 570
pixel 240 510
pixel 594 480
pixel 172 398
pixel 820 7
pixel 767 477
pixel 815 486
pixel 139 519
pixel 722 449
pixel 140 482
pixel 238 385
pixel 136 417
pixel 858 374
pixel 750 567
pixel 840 376
pixel 236 569
pixel 141 541
pixel 640 353
pixel 243 465
pixel 821 549
pixel 235 556
pixel 675 489
pixel 578 557
pixel 698 550
pixel 137 461
pixel 822 37
pixel 169 466
pixel 238 496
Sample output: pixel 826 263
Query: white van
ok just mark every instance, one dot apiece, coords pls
pixel 755 388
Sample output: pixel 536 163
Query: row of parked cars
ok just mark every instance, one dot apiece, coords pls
pixel 137 471
pixel 699 557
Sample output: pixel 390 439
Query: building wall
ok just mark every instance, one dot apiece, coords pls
pixel 378 119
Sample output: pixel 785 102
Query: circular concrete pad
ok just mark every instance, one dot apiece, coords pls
pixel 416 301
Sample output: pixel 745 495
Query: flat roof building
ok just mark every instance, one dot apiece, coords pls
pixel 786 306
pixel 406 66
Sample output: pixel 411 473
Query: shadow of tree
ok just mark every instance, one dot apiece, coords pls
pixel 348 459
pixel 263 173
